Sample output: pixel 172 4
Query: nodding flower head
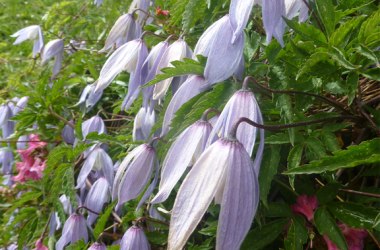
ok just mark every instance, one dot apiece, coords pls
pixel 124 30
pixel 94 124
pixel 133 174
pixel 184 151
pixel 33 33
pixel 75 229
pixel 97 246
pixel 273 12
pixel 133 239
pixel 99 194
pixel 223 172
pixel 54 49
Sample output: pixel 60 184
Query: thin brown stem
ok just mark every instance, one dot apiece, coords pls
pixel 53 113
pixel 360 193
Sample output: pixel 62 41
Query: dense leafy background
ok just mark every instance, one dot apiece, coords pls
pixel 333 58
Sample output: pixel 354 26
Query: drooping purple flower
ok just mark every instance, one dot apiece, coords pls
pixel 99 194
pixel 175 52
pixel 124 30
pixel 33 33
pixel 125 58
pixel 133 239
pixel 136 78
pixel 295 7
pixel 143 124
pixel 193 86
pixel 89 98
pixel 94 124
pixel 54 49
pixel 98 160
pixel 6 160
pixel 75 229
pixel 142 5
pixel 68 134
pixel 66 204
pixel 184 151
pixel 224 172
pixel 98 2
pixel 5 114
pixel 97 246
pixel 273 12
pixel 242 104
pixel 20 104
pixel 133 174
pixel 239 15
pixel 223 56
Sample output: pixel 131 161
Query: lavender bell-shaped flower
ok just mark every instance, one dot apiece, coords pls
pixel 68 134
pixel 239 15
pixel 97 160
pixel 6 160
pixel 193 86
pixel 99 194
pixel 242 104
pixel 75 229
pixel 224 172
pixel 134 239
pixel 124 30
pixel 5 114
pixel 143 124
pixel 273 12
pixel 97 246
pixel 94 124
pixel 133 174
pixel 142 7
pixel 54 49
pixel 124 58
pixel 89 98
pixel 33 33
pixel 175 52
pixel 223 56
pixel 20 104
pixel 184 151
pixel 294 7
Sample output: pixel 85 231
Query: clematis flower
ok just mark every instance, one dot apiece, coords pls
pixel 273 12
pixel 20 104
pixel 68 134
pixel 99 194
pixel 133 239
pixel 97 246
pixel 75 229
pixel 224 172
pixel 6 160
pixel 184 151
pixel 140 5
pixel 354 238
pixel 124 30
pixel 94 124
pixel 98 160
pixel 124 58
pixel 5 114
pixel 89 98
pixel 143 124
pixel 133 174
pixel 242 104
pixel 306 205
pixel 223 56
pixel 294 7
pixel 193 86
pixel 175 52
pixel 54 49
pixel 33 33
pixel 239 15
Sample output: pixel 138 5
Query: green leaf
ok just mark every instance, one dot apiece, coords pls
pixel 294 160
pixel 194 12
pixel 326 12
pixel 330 141
pixel 365 153
pixel 278 138
pixel 346 32
pixel 297 235
pixel 102 220
pixel 307 32
pixel 260 237
pixel 368 53
pixel 326 225
pixel 26 232
pixel 186 67
pixel 369 33
pixel 24 198
pixel 271 162
pixel 315 147
pixel 328 193
pixel 338 56
pixel 355 215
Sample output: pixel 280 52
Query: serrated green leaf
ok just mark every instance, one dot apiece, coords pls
pixel 186 67
pixel 260 237
pixel 346 32
pixel 326 12
pixel 307 32
pixel 369 33
pixel 26 232
pixel 194 11
pixel 294 160
pixel 271 162
pixel 278 138
pixel 330 141
pixel 102 220
pixel 355 215
pixel 326 225
pixel 365 153
pixel 338 56
pixel 24 198
pixel 297 235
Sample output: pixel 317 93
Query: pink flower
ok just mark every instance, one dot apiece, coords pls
pixel 306 205
pixel 354 238
pixel 39 245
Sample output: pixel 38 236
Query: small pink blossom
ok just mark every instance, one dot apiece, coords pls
pixel 39 245
pixel 306 205
pixel 354 238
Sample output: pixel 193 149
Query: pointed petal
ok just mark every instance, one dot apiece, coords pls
pixel 273 11
pixel 98 195
pixel 240 200
pixel 196 193
pixel 239 15
pixel 52 49
pixel 151 187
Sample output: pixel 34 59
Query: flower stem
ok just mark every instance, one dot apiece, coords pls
pixel 208 111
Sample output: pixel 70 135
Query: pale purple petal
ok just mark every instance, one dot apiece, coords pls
pixel 193 86
pixel 151 187
pixel 32 32
pixel 141 5
pixel 6 160
pixel 143 124
pixel 75 229
pixel 94 124
pixel 68 134
pixel 134 239
pixel 52 49
pixel 224 57
pixel 196 193
pixel 8 129
pixel 97 246
pixel 205 41
pixel 98 195
pixel 274 25
pixel 184 151
pixel 240 200
pixel 21 142
pixel 5 114
pixel 21 104
pixel 239 15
